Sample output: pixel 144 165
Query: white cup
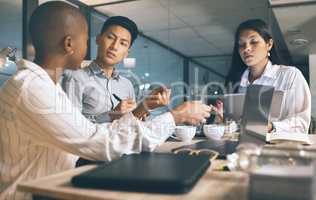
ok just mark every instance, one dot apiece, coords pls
pixel 184 133
pixel 214 131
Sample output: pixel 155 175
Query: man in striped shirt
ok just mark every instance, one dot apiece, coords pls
pixel 42 133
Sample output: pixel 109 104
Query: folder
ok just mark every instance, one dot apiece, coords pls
pixel 146 172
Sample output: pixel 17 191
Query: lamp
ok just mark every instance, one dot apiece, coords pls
pixel 6 54
pixel 129 63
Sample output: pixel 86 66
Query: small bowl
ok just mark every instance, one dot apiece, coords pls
pixel 214 131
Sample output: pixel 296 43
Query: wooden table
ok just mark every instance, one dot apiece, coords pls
pixel 213 185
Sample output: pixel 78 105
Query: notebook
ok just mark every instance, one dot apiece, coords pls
pixel 146 172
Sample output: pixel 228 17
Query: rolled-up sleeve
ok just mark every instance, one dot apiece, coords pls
pixel 159 129
pixel 52 120
pixel 297 106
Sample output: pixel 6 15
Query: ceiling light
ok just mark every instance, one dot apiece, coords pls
pixel 299 42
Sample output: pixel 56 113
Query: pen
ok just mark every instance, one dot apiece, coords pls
pixel 116 97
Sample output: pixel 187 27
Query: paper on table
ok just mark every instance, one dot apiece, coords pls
pixel 278 137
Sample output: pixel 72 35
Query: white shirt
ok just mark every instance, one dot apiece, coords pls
pixel 42 133
pixel 295 113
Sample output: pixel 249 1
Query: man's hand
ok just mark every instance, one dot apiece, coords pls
pixel 193 112
pixel 158 97
pixel 122 108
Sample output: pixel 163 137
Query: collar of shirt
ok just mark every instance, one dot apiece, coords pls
pixel 96 69
pixel 268 73
pixel 38 70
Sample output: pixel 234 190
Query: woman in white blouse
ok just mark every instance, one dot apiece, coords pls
pixel 255 61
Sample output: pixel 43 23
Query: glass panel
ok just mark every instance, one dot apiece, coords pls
pixel 204 82
pixel 11 33
pixel 156 66
pixel 96 25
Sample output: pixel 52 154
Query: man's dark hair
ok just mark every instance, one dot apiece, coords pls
pixel 124 22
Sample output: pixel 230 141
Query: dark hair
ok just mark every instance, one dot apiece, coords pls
pixel 237 65
pixel 124 22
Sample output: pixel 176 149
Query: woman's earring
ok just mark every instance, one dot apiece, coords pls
pixel 268 53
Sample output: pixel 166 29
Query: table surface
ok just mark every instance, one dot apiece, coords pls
pixel 214 184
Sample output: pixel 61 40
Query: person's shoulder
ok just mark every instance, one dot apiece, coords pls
pixel 126 81
pixel 30 77
pixel 288 69
pixel 289 72
pixel 77 75
pixel 27 70
pixel 123 78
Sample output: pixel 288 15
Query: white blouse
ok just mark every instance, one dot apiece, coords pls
pixel 295 113
pixel 42 133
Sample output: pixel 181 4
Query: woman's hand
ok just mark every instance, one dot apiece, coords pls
pixel 218 110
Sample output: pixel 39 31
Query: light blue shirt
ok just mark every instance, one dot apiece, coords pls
pixel 92 92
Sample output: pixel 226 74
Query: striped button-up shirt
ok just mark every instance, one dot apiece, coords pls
pixel 42 133
pixel 295 113
pixel 92 92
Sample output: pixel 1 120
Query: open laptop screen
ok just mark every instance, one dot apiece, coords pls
pixel 234 105
pixel 254 122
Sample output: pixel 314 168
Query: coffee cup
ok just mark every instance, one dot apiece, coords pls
pixel 214 131
pixel 184 133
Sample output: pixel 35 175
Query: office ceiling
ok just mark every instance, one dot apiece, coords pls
pixel 205 28
pixel 297 21
pixel 193 27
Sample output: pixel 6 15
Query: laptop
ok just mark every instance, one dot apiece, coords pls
pixel 146 172
pixel 234 105
pixel 254 122
pixel 256 113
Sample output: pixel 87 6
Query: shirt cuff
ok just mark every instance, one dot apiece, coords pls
pixel 103 118
pixel 170 120
pixel 166 121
